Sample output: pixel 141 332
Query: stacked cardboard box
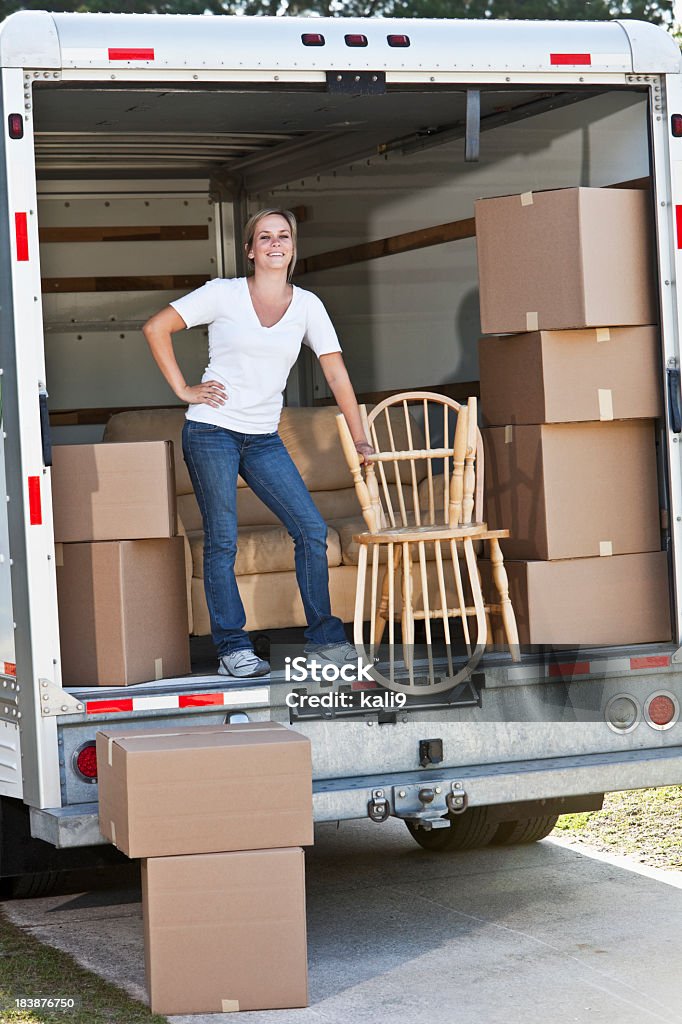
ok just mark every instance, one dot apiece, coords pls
pixel 570 405
pixel 219 815
pixel 120 564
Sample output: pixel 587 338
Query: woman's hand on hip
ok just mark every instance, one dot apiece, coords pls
pixel 209 392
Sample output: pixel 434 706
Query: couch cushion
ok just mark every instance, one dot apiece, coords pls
pixel 261 549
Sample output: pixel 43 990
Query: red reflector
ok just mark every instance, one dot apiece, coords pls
pixel 35 511
pixel 195 700
pixel 676 125
pixel 86 761
pixel 580 668
pixel 312 39
pixel 15 124
pixel 134 54
pixel 107 707
pixel 653 661
pixel 356 40
pixel 398 40
pixel 570 58
pixel 661 710
pixel 21 229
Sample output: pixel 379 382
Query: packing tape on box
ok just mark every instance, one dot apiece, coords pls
pixel 110 750
pixel 158 668
pixel 603 334
pixel 531 321
pixel 230 1005
pixel 605 547
pixel 112 829
pixel 59 554
pixel 605 397
pixel 526 198
pixel 508 435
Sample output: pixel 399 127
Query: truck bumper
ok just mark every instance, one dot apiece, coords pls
pixel 482 785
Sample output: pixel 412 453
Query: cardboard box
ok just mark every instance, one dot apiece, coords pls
pixel 113 491
pixel 122 611
pixel 225 932
pixel 205 789
pixel 573 490
pixel 589 601
pixel 574 257
pixel 571 376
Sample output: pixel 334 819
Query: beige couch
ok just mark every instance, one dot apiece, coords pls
pixel 265 561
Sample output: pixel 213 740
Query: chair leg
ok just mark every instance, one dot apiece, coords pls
pixel 358 638
pixel 407 622
pixel 477 594
pixel 454 554
pixel 507 611
pixel 490 644
pixel 385 605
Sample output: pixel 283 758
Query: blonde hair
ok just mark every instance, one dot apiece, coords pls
pixel 250 234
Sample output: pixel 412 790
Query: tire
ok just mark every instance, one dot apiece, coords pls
pixel 26 887
pixel 524 830
pixel 467 831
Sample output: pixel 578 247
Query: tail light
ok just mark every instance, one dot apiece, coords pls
pixel 85 761
pixel 661 710
pixel 312 39
pixel 15 125
pixel 356 40
pixel 622 713
pixel 398 40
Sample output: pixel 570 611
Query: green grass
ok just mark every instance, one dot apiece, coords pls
pixel 29 968
pixel 644 823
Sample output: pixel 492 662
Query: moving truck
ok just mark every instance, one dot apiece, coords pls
pixel 132 149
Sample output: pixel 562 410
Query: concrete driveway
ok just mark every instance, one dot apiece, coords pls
pixel 523 935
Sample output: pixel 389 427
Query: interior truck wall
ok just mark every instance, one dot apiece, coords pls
pixel 96 355
pixel 413 318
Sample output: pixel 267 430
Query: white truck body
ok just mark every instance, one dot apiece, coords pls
pixel 136 119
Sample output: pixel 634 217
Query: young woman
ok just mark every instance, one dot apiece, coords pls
pixel 256 327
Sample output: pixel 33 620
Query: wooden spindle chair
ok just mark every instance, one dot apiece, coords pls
pixel 398 492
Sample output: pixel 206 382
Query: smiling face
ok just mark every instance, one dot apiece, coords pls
pixel 271 245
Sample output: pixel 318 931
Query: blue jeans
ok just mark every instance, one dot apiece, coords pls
pixel 215 457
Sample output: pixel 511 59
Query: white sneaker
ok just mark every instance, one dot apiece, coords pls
pixel 338 654
pixel 243 663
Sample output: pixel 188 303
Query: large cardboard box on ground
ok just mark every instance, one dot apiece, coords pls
pixel 205 789
pixel 225 932
pixel 573 490
pixel 569 258
pixel 571 376
pixel 122 611
pixel 113 491
pixel 589 601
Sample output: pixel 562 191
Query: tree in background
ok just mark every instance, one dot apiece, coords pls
pixel 659 12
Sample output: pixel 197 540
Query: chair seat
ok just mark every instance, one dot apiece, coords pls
pixel 414 534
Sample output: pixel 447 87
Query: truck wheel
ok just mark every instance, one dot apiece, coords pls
pixel 466 831
pixel 525 830
pixel 26 887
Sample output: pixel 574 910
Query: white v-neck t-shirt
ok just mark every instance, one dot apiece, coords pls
pixel 252 361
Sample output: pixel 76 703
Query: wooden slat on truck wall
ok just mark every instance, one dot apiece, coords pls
pixel 132 233
pixel 160 282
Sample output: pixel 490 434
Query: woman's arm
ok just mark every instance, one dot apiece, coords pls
pixel 337 378
pixel 158 331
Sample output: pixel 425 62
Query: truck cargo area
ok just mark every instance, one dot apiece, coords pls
pixel 143 190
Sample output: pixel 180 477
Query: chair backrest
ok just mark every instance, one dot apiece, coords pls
pixel 440 483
